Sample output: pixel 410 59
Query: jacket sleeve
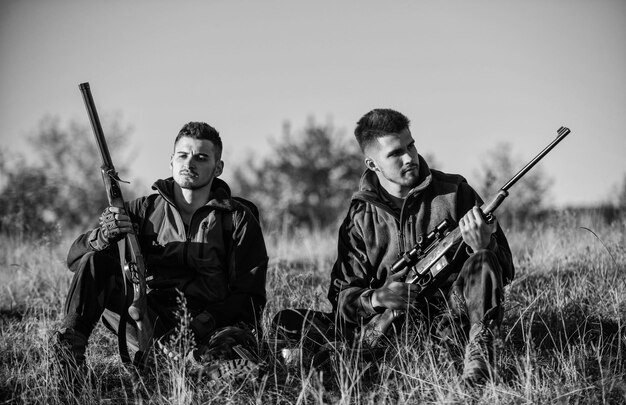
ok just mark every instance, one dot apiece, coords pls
pixel 84 243
pixel 79 248
pixel 350 291
pixel 499 244
pixel 247 264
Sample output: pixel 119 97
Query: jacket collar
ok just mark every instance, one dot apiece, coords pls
pixel 220 193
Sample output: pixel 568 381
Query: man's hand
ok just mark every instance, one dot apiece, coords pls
pixel 395 294
pixel 114 224
pixel 475 230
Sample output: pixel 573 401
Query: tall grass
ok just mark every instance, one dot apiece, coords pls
pixel 563 338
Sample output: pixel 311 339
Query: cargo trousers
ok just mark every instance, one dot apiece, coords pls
pixel 98 291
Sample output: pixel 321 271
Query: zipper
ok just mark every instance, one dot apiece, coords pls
pixel 186 251
pixel 411 233
pixel 400 241
pixel 187 238
pixel 204 227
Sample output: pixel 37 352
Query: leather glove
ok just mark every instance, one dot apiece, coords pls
pixel 114 225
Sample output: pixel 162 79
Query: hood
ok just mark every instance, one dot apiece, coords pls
pixel 220 193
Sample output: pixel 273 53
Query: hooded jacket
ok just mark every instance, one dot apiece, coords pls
pixel 219 262
pixel 375 233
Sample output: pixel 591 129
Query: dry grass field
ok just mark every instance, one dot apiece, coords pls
pixel 563 340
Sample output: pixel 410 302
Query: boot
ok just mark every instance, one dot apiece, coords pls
pixel 479 354
pixel 69 348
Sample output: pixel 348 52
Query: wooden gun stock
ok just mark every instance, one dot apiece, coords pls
pixel 131 259
pixel 432 259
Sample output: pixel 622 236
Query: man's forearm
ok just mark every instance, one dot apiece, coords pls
pixel 78 249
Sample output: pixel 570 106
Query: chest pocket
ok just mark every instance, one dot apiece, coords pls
pixel 206 253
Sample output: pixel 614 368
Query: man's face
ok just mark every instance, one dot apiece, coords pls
pixel 394 158
pixel 194 164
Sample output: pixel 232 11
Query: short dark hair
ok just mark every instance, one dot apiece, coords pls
pixel 378 123
pixel 201 130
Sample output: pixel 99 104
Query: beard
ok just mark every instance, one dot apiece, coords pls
pixel 191 185
pixel 407 177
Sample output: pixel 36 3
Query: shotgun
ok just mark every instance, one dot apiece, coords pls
pixel 131 259
pixel 433 257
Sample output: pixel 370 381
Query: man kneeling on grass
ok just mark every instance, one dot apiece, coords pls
pixel 199 243
pixel 400 200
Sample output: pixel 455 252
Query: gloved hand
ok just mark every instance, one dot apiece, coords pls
pixel 114 224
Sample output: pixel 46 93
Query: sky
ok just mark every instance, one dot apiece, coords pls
pixel 469 75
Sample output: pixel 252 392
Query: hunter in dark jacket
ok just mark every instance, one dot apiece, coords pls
pixel 199 244
pixel 376 232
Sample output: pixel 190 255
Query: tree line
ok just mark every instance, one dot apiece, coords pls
pixel 307 181
pixel 58 185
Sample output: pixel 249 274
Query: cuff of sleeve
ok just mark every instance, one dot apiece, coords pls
pixel 492 246
pixel 366 303
pixel 97 241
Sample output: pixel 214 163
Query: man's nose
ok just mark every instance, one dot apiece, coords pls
pixel 407 158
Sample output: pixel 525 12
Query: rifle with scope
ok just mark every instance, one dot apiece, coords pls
pixel 432 257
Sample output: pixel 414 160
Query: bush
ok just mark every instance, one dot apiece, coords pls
pixel 60 186
pixel 528 195
pixel 307 181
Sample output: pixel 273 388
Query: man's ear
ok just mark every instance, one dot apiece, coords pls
pixel 171 162
pixel 219 168
pixel 370 164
